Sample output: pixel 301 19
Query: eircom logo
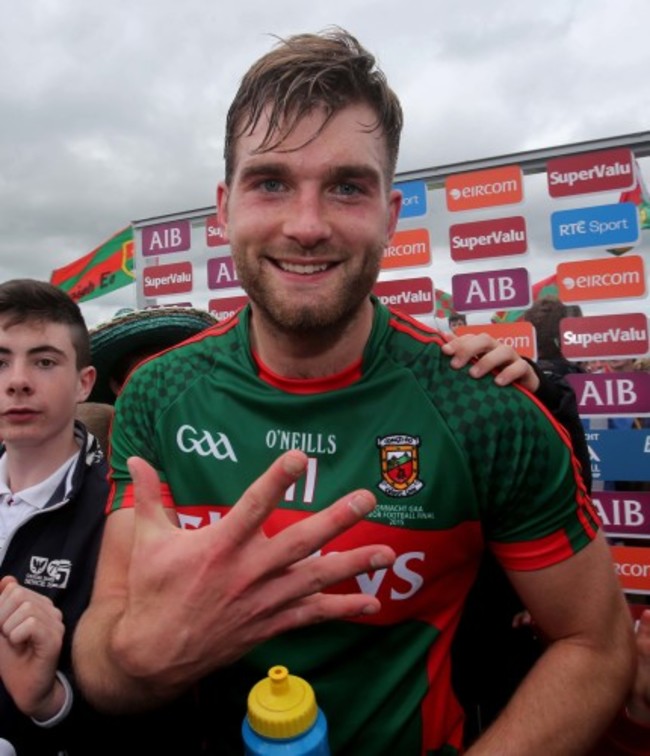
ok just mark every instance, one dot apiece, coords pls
pixel 519 335
pixel 407 248
pixel 632 564
pixel 495 186
pixel 610 278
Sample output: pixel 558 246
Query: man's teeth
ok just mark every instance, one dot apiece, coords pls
pixel 302 269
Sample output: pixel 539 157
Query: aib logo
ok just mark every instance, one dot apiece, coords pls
pixel 166 237
pixel 496 289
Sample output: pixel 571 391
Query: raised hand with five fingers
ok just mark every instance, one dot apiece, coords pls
pixel 189 601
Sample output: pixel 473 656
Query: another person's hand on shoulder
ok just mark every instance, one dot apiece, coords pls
pixel 508 366
pixel 31 637
pixel 491 355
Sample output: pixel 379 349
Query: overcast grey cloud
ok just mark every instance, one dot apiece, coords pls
pixel 113 112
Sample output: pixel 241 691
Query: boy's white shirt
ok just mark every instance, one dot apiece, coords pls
pixel 24 503
pixel 12 515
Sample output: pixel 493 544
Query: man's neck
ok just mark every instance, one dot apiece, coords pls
pixel 316 355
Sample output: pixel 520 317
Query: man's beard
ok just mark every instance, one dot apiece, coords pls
pixel 325 320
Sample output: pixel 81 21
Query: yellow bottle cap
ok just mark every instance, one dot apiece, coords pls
pixel 281 705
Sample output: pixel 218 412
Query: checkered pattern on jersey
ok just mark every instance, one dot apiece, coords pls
pixel 158 382
pixel 507 439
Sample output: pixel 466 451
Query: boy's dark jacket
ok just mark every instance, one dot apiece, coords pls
pixel 55 553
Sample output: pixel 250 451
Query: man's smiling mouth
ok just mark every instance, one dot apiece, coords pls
pixel 304 269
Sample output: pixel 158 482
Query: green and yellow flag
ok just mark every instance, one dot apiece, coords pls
pixel 105 269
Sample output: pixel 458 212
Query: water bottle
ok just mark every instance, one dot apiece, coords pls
pixel 283 718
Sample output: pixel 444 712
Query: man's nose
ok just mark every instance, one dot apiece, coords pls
pixel 307 220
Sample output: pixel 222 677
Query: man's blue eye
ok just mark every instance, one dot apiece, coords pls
pixel 348 189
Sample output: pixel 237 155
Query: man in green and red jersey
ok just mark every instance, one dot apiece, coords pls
pixel 312 390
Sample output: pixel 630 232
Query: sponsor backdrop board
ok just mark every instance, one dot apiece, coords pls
pixel 485 239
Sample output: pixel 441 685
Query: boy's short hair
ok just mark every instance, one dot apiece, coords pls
pixel 545 314
pixel 24 300
pixel 457 319
pixel 330 70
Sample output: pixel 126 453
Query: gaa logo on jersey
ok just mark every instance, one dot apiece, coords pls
pixel 400 465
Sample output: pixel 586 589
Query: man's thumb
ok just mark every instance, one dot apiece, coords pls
pixel 146 488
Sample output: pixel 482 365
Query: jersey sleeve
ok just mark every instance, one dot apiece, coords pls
pixel 133 435
pixel 532 502
pixel 560 400
pixel 540 511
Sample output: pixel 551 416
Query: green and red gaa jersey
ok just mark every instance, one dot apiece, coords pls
pixel 454 462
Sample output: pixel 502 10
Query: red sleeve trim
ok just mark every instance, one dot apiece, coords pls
pixel 533 555
pixel 127 500
pixel 414 328
pixel 587 513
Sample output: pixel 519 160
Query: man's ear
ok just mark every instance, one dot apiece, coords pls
pixel 222 206
pixel 394 207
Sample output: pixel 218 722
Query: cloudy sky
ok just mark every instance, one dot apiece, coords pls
pixel 114 112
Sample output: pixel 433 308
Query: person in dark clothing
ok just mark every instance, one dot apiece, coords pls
pixel 50 471
pixel 53 491
pixel 491 656
pixel 545 314
pixel 119 344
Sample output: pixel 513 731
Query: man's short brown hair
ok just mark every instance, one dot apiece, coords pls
pixel 331 71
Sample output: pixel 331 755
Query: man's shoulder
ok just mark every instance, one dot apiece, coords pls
pixel 196 355
pixel 417 348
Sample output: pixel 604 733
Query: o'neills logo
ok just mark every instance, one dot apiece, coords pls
pixel 489 238
pixel 399 465
pixel 601 171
